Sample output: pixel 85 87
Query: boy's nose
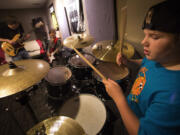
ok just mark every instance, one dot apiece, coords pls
pixel 145 42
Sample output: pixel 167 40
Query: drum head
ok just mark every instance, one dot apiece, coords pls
pixel 87 110
pixel 111 70
pixel 77 61
pixel 58 75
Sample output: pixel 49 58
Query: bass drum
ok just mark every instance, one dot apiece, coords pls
pixel 58 82
pixel 88 110
pixel 112 71
pixel 80 70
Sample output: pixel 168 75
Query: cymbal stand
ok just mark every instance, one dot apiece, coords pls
pixel 23 99
pixel 10 113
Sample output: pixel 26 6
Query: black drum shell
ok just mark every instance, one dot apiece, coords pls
pixel 55 88
pixel 58 90
pixel 81 72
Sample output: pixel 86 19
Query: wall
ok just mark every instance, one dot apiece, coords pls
pixel 61 17
pixel 101 19
pixel 136 10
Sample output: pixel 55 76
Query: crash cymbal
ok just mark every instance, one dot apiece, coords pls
pixel 111 70
pixel 128 49
pixel 78 41
pixel 59 125
pixel 107 50
pixel 20 76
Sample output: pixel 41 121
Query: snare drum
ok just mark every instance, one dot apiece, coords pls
pixel 80 70
pixel 112 71
pixel 88 110
pixel 58 81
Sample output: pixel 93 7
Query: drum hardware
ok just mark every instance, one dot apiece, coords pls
pixel 23 98
pixel 107 50
pixel 84 86
pixel 66 54
pixel 60 125
pixel 20 75
pixel 78 41
pixel 9 111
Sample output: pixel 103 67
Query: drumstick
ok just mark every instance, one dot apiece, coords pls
pixel 122 26
pixel 95 69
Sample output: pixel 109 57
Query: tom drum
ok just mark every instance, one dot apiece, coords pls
pixel 58 81
pixel 79 68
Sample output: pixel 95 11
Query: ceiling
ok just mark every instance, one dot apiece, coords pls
pixel 21 4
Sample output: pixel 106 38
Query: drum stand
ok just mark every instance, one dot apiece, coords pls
pixel 14 119
pixel 23 99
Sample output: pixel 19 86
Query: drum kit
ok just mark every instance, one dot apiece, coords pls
pixel 79 115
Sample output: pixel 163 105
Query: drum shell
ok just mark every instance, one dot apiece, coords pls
pixel 58 90
pixel 55 87
pixel 101 91
pixel 81 72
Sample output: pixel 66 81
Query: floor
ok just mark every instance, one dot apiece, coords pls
pixel 20 112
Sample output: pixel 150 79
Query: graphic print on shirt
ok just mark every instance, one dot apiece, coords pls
pixel 138 84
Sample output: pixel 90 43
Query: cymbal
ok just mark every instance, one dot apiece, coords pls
pixel 78 41
pixel 107 50
pixel 27 73
pixel 59 125
pixel 111 70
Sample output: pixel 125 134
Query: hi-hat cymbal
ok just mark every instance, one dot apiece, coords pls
pixel 16 79
pixel 78 41
pixel 59 125
pixel 107 50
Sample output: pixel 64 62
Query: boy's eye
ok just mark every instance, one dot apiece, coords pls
pixel 155 36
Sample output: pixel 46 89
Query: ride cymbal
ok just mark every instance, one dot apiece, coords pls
pixel 21 75
pixel 78 41
pixel 59 125
pixel 107 50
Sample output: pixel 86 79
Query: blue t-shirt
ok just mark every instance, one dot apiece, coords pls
pixel 155 99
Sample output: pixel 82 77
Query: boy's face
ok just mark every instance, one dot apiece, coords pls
pixel 158 46
pixel 14 26
pixel 52 35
